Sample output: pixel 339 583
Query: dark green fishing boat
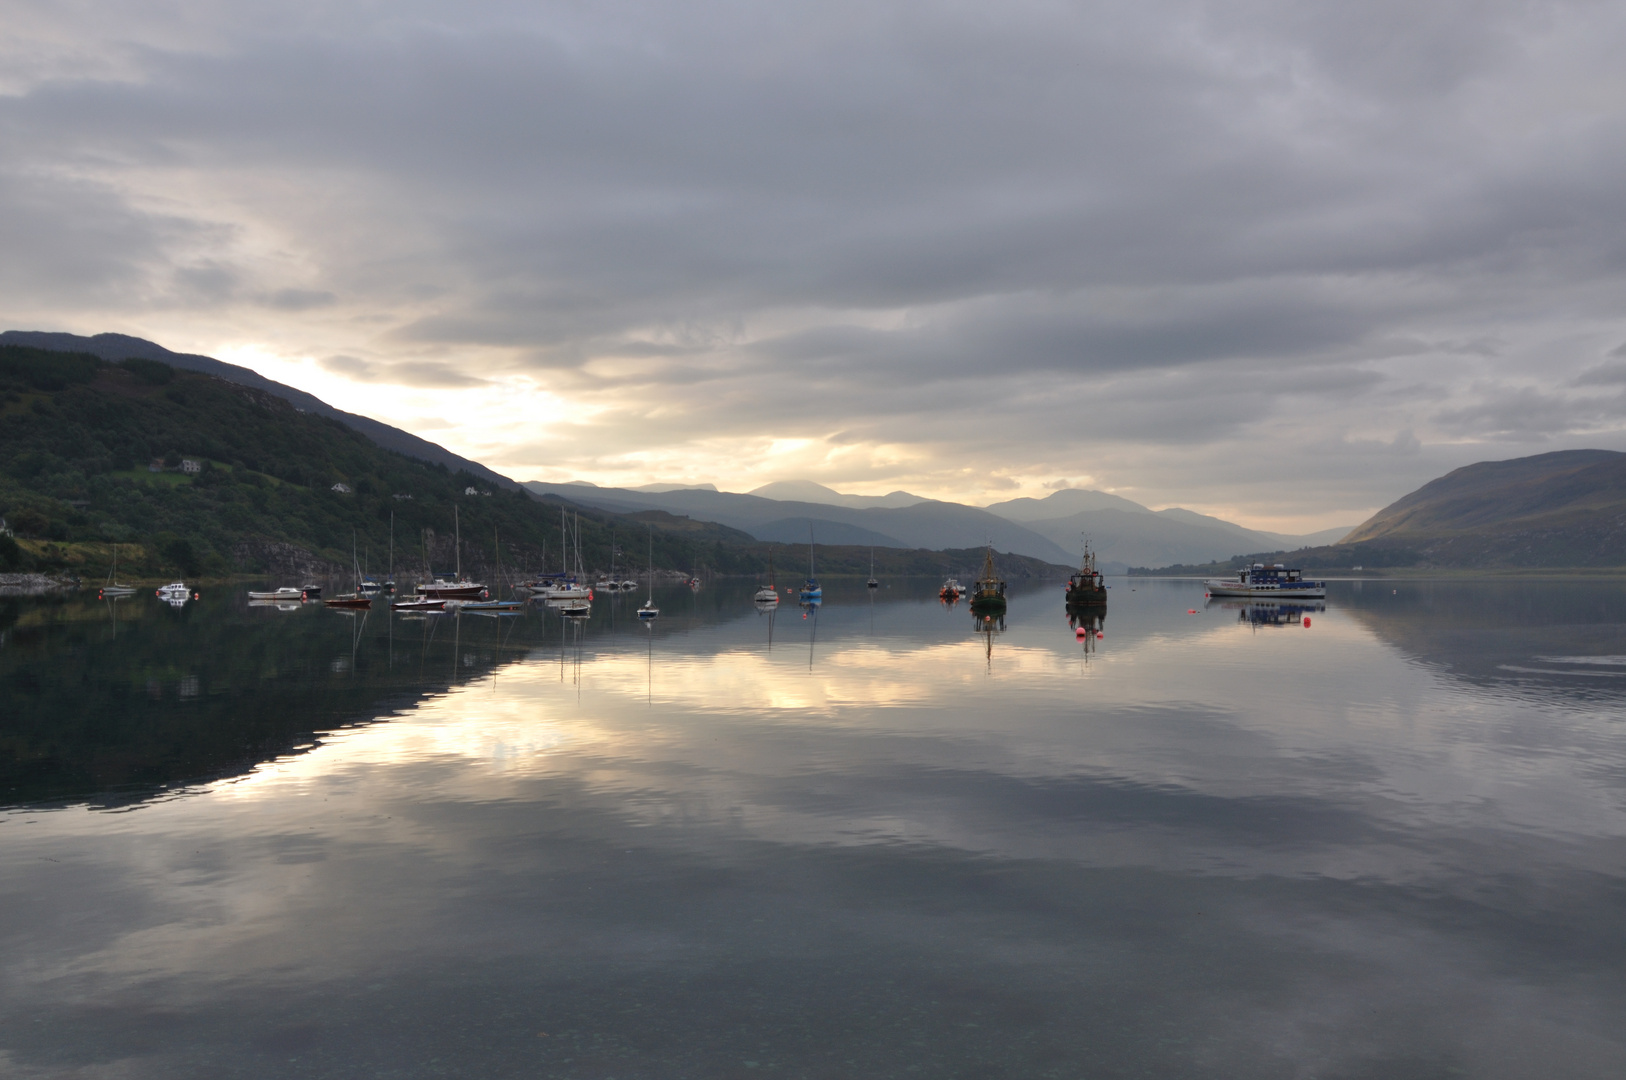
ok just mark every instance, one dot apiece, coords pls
pixel 1086 588
pixel 989 595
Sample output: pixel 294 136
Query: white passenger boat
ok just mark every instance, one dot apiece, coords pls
pixel 1269 580
pixel 176 592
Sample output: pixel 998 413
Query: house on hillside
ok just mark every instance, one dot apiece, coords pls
pixel 342 488
pixel 191 467
pixel 471 491
pixel 156 465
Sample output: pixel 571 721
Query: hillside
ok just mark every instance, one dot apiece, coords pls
pixel 116 347
pixel 1566 509
pixel 1522 493
pixel 78 434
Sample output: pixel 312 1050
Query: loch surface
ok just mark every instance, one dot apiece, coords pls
pixel 1383 837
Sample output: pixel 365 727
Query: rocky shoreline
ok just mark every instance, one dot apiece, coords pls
pixel 35 584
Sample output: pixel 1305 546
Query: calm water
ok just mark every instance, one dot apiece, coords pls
pixel 872 843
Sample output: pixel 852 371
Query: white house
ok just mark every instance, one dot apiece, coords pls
pixel 190 466
pixel 471 491
pixel 342 489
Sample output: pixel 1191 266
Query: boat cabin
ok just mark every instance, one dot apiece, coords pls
pixel 1270 574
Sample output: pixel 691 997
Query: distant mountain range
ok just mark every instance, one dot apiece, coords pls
pixel 1122 532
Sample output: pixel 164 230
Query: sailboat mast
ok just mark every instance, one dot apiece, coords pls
pixel 457 541
pixel 392 547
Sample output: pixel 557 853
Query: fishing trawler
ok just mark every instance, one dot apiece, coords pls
pixel 1086 588
pixel 1272 580
pixel 989 595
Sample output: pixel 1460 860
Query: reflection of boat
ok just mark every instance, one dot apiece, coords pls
pixel 812 592
pixel 350 600
pixel 1088 626
pixel 1269 580
pixel 1274 614
pixel 951 590
pixel 1086 588
pixel 988 624
pixel 280 605
pixel 286 594
pixel 989 595
pixel 176 592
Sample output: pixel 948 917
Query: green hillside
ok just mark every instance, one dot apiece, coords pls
pixel 1564 510
pixel 79 435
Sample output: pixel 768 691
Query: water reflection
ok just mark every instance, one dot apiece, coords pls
pixel 1354 849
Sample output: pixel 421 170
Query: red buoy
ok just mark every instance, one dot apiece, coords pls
pixel 1307 622
pixel 1100 635
pixel 1080 634
pixel 1191 611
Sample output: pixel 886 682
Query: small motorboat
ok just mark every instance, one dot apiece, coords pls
pixel 286 594
pixel 951 590
pixel 492 605
pixel 349 600
pixel 418 603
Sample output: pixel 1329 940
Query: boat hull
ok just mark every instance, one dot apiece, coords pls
pixel 1306 591
pixel 451 592
pixel 349 602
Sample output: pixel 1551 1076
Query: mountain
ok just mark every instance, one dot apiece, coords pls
pixel 928 524
pixel 809 492
pixel 271 489
pixel 1561 510
pixel 1524 493
pixel 115 347
pixel 1125 533
pixel 1064 503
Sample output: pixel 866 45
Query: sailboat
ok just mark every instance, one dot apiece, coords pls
pixel 112 587
pixel 566 586
pixel 872 583
pixel 353 599
pixel 495 605
pixel 769 593
pixel 811 592
pixel 460 588
pixel 989 595
pixel 648 610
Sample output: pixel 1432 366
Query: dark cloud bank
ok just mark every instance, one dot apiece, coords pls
pixel 1272 257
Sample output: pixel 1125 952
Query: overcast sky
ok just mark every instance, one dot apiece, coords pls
pixel 1278 261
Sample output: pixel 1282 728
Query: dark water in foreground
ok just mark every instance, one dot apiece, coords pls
pixel 245 842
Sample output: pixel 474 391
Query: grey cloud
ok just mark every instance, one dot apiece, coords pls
pixel 1119 228
pixel 300 299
